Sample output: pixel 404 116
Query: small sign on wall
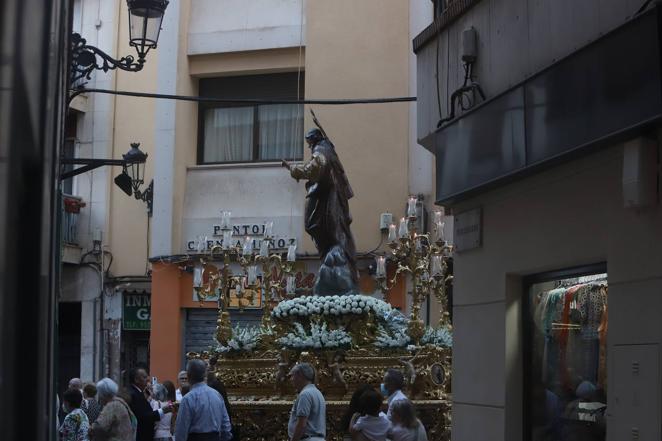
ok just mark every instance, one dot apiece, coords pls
pixel 468 229
pixel 136 314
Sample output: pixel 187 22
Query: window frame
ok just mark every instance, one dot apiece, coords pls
pixel 273 94
pixel 528 328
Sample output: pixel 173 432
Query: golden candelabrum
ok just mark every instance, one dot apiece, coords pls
pixel 425 259
pixel 262 271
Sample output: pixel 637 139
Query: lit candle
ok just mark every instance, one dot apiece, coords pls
pixel 264 247
pixel 292 253
pixel 227 239
pixel 381 266
pixel 198 271
pixel 440 231
pixel 411 206
pixel 268 229
pixel 226 219
pixel 436 265
pixel 252 274
pixel 402 229
pixel 392 235
pixel 248 246
pixel 290 285
pixel 418 243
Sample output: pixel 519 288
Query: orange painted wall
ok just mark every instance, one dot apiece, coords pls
pixel 172 290
pixel 165 337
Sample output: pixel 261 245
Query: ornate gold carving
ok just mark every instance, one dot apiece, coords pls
pixel 267 420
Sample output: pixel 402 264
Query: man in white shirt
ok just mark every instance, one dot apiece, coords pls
pixel 182 380
pixel 391 388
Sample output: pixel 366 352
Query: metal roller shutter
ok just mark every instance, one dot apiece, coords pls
pixel 201 326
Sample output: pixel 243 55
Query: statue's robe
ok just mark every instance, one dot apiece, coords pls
pixel 327 217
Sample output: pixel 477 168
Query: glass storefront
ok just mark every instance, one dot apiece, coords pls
pixel 566 358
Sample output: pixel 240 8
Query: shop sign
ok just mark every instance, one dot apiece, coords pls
pixel 136 312
pixel 239 232
pixel 468 229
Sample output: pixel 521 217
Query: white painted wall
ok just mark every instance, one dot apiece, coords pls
pixel 218 26
pixel 96 21
pixel 164 138
pixel 421 161
pixel 97 24
pixel 252 193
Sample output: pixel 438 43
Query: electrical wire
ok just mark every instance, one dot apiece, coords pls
pixel 325 102
pixel 372 252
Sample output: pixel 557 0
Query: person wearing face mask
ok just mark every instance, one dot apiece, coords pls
pixel 391 388
pixel 75 425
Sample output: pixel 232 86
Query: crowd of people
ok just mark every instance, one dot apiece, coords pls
pixel 199 410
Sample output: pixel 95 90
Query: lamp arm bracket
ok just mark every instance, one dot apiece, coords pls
pixel 85 59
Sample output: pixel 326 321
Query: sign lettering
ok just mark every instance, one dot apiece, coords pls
pixel 137 312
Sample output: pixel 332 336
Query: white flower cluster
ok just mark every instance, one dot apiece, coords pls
pixel 437 337
pixel 393 338
pixel 393 335
pixel 319 338
pixel 331 305
pixel 244 339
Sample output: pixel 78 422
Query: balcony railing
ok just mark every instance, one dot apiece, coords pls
pixel 71 206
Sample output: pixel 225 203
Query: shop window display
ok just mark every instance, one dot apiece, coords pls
pixel 566 362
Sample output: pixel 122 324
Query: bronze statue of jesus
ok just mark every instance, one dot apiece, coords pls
pixel 327 217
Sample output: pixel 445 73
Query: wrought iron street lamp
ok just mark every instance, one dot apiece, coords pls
pixel 145 17
pixel 133 175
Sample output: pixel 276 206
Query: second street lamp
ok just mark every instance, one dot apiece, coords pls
pixel 133 176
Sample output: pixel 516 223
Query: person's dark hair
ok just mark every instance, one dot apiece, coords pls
pixel 371 402
pixel 73 398
pixel 196 370
pixel 405 410
pixel 131 375
pixel 394 378
pixel 170 387
pixel 216 384
pixel 90 390
pixel 354 405
pixel 143 366
pixel 185 389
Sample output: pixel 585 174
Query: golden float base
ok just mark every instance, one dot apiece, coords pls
pixel 261 396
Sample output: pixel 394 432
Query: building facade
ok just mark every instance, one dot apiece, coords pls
pixel 208 157
pixel 553 180
pixel 274 50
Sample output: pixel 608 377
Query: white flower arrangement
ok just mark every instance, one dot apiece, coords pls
pixel 391 338
pixel 244 339
pixel 331 305
pixel 319 338
pixel 437 337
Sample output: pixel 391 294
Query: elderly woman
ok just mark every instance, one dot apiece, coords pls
pixel 75 425
pixel 116 422
pixel 159 400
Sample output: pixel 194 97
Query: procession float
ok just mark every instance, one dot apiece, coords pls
pixel 350 338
